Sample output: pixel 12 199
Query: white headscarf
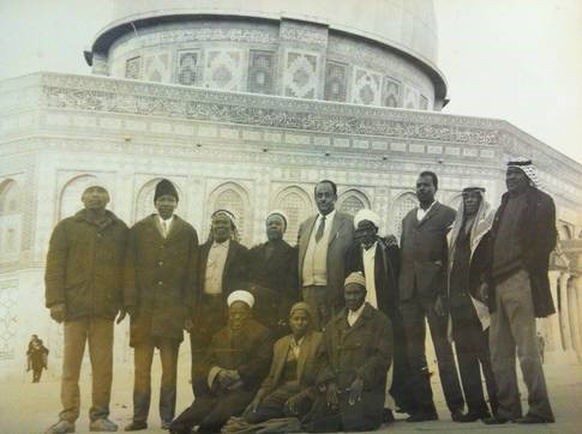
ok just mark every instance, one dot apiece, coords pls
pixel 366 214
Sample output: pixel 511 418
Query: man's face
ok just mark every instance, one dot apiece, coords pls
pixel 299 323
pixel 95 198
pixel 354 295
pixel 221 228
pixel 166 204
pixel 365 233
pixel 425 189
pixel 275 228
pixel 516 179
pixel 471 202
pixel 238 315
pixel 325 198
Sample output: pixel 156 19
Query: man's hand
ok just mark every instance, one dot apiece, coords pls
pixel 252 407
pixel 58 312
pixel 121 316
pixel 331 396
pixel 355 391
pixel 484 292
pixel 439 306
pixel 188 324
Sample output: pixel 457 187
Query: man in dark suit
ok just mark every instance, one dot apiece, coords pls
pixel 378 258
pixel 323 242
pixel 159 295
pixel 523 236
pixel 222 269
pixel 235 364
pixel 273 276
pixel 422 286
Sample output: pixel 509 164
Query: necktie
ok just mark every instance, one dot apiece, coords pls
pixel 320 229
pixel 165 228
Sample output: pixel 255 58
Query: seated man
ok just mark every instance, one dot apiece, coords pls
pixel 236 362
pixel 290 382
pixel 356 355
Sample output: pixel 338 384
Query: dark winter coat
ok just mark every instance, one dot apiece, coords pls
pixel 84 266
pixel 538 237
pixel 160 278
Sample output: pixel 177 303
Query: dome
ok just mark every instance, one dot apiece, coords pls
pixel 400 34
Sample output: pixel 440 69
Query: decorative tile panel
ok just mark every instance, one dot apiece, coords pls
pixel 261 72
pixel 390 92
pixel 300 76
pixel 336 82
pixel 133 68
pixel 423 102
pixel 411 97
pixel 8 319
pixel 223 70
pixel 156 67
pixel 188 69
pixel 366 87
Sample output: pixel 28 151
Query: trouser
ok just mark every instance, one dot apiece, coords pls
pixel 321 304
pixel 399 382
pixel 36 374
pixel 513 326
pixel 413 315
pixel 472 344
pixel 273 405
pixel 210 411
pixel 143 356
pixel 99 333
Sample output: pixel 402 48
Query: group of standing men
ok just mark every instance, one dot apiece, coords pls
pixel 479 277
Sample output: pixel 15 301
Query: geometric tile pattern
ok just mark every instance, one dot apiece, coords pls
pixel 351 205
pixel 133 68
pixel 188 67
pixel 296 205
pixel 335 82
pixel 232 201
pixel 411 97
pixel 300 76
pixel 366 87
pixel 261 71
pixel 8 321
pixel 223 70
pixel 390 92
pixel 156 67
pixel 400 208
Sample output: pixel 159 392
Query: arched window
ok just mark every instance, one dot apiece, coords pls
pixel 297 206
pixel 352 201
pixel 144 203
pixel 234 198
pixel 10 219
pixel 402 206
pixel 70 197
pixel 10 200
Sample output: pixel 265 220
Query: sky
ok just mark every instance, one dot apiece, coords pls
pixel 518 60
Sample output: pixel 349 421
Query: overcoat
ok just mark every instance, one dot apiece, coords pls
pixel 341 238
pixel 423 247
pixel 160 278
pixel 537 236
pixel 84 267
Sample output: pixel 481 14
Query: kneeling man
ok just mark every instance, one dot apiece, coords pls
pixel 236 363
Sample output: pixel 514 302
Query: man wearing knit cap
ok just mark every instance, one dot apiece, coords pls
pixel 233 368
pixel 273 275
pixel 222 268
pixel 323 241
pixel 523 236
pixel 159 296
pixel 357 352
pixel 378 258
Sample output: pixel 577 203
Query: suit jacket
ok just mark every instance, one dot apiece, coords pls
pixel 249 353
pixel 160 278
pixel 538 237
pixel 341 238
pixel 424 253
pixel 363 350
pixel 386 266
pixel 306 364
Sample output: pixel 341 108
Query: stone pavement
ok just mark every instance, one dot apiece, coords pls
pixel 30 408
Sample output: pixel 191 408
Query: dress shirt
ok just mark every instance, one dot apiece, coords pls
pixel 369 259
pixel 295 348
pixel 421 213
pixel 215 267
pixel 315 261
pixel 353 315
pixel 165 225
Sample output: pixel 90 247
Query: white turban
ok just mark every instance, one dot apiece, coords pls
pixel 280 214
pixel 241 295
pixel 356 277
pixel 366 214
pixel 527 167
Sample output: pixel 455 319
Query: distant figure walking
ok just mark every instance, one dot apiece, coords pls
pixel 37 358
pixel 541 346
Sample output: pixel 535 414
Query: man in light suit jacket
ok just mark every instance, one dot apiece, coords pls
pixel 323 242
pixel 422 291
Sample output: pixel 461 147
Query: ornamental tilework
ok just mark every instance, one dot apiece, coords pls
pixel 133 68
pixel 411 97
pixel 335 82
pixel 261 71
pixel 366 87
pixel 390 92
pixel 156 67
pixel 223 70
pixel 300 76
pixel 187 73
pixel 8 319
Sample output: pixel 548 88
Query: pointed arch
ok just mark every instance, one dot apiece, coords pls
pixel 353 200
pixel 144 201
pixel 70 195
pixel 297 205
pixel 10 219
pixel 234 198
pixel 402 205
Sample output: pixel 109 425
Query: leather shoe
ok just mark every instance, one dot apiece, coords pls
pixel 532 418
pixel 472 416
pixel 166 424
pixel 136 426
pixel 422 417
pixel 387 416
pixel 457 414
pixel 496 420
